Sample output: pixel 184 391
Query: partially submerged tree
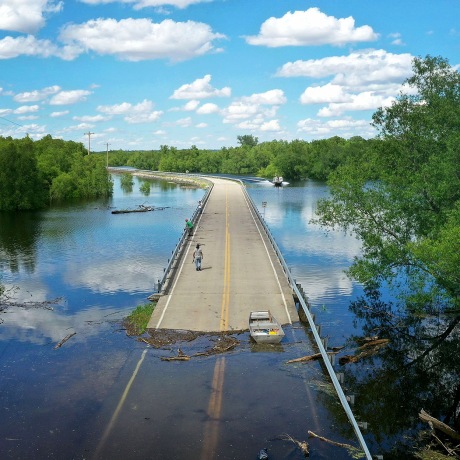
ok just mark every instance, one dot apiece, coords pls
pixel 403 199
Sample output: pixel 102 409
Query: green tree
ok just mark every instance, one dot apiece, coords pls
pixel 247 140
pixel 408 216
pixel 21 186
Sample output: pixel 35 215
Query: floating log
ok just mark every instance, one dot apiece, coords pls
pixel 305 358
pixel 64 340
pixel 434 422
pixel 329 441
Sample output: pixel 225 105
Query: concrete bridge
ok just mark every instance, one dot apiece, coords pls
pixel 240 270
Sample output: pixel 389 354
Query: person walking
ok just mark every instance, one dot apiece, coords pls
pixel 197 257
pixel 200 207
pixel 189 226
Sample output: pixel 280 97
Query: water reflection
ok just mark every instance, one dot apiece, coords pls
pixel 97 262
pixel 19 233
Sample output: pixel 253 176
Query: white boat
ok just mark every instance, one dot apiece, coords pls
pixel 278 181
pixel 264 328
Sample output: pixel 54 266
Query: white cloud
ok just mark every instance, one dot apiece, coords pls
pixel 59 114
pixel 91 119
pixel 29 46
pixel 141 39
pixel 138 113
pixel 272 125
pixel 26 109
pixel 70 97
pixel 200 89
pixel 138 4
pixel 262 106
pixel 359 69
pixel 36 95
pixel 27 117
pixel 201 125
pixel 344 127
pixel 366 100
pixel 271 97
pixel 191 105
pixel 322 94
pixel 207 109
pixel 310 27
pixel 27 16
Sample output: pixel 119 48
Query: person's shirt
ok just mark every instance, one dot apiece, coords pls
pixel 189 224
pixel 198 254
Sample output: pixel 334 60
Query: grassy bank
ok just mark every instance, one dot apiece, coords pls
pixel 136 322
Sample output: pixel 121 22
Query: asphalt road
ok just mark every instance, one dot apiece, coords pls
pixel 240 271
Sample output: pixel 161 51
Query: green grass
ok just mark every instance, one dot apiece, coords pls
pixel 136 322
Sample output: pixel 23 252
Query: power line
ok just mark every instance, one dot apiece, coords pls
pixel 14 123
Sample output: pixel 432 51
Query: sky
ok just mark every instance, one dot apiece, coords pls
pixel 139 74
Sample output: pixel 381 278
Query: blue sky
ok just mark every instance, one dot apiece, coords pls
pixel 138 74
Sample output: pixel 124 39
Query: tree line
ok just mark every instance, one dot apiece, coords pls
pixel 34 174
pixel 294 160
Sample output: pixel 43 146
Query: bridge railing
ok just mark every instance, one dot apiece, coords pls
pixel 180 246
pixel 314 329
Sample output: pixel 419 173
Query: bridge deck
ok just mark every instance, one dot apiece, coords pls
pixel 240 271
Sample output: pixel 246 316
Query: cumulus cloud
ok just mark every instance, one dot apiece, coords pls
pixel 142 39
pixel 200 89
pixel 37 95
pixel 138 4
pixel 345 128
pixel 207 109
pixel 30 46
pixel 366 100
pixel 358 69
pixel 133 113
pixel 26 16
pixel 59 114
pixel 310 27
pixel 323 94
pixel 26 109
pixel 92 119
pixel 258 106
pixel 191 105
pixel 70 97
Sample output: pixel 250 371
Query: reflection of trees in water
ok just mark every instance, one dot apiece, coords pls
pixel 18 238
pixel 417 370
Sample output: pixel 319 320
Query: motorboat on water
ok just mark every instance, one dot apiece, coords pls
pixel 278 181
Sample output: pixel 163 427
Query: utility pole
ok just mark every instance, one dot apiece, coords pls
pixel 107 164
pixel 89 141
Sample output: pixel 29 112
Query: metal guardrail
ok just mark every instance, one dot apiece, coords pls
pixel 180 245
pixel 314 330
pixel 319 343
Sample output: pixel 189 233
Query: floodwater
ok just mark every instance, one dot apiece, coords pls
pixel 80 269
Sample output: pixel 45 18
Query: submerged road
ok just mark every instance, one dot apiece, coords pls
pixel 240 271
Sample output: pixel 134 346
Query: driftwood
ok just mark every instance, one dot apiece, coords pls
pixel 368 349
pixel 302 445
pixel 303 359
pixel 329 441
pixel 181 356
pixel 437 424
pixel 64 340
pixel 313 357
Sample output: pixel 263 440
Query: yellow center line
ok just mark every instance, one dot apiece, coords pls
pixel 226 291
pixel 119 406
pixel 211 430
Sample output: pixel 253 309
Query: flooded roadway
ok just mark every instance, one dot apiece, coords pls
pixel 104 395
